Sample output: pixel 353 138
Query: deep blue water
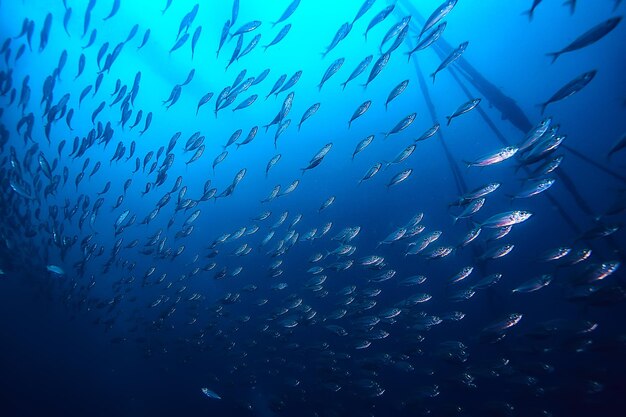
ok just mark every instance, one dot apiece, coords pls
pixel 142 316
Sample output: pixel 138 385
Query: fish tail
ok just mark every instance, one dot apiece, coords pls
pixel 434 74
pixel 554 56
pixel 365 35
pixel 349 124
pixel 529 13
pixel 454 219
pixel 343 85
pixel 449 120
pixel 319 87
pixel 467 163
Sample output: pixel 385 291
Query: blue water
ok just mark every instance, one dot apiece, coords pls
pixel 108 338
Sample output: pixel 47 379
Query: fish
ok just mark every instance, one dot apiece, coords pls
pixel 454 55
pixel 211 394
pixel 308 113
pixel 364 143
pixel 509 218
pixel 618 146
pixel 66 19
pixel 569 89
pixel 531 11
pixel 396 91
pixel 371 172
pixel 360 111
pixel 402 156
pixel 432 131
pixel 144 40
pixel 365 7
pixel 591 36
pixel 253 43
pixel 402 125
pixel 194 39
pixel 114 9
pixel 493 158
pixel 432 37
pixel 279 37
pixel 246 28
pixel 55 269
pixel 464 108
pixel 180 42
pixel 378 67
pixel 330 71
pixel 223 37
pixel 380 17
pixel 400 177
pixel 358 70
pixel 291 8
pixel 436 16
pixel 341 34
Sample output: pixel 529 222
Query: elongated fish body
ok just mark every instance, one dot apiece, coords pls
pixel 253 43
pixel 339 36
pixel 493 158
pixel 246 102
pixel 279 82
pixel 477 193
pixel 402 124
pixel 432 131
pixel 288 12
pixel 400 177
pixel 360 111
pixel 395 31
pixel 402 156
pixel 464 108
pixel 396 91
pixel 365 7
pixel 330 71
pixel 535 134
pixel 279 37
pixel 371 172
pixel 358 70
pixel 290 82
pixel 570 88
pixel 440 13
pixel 223 37
pixel 508 218
pixel 362 145
pixel 618 146
pixel 589 37
pixel 382 15
pixel 428 40
pixel 236 51
pixel 378 67
pixel 180 42
pixel 536 187
pixel 454 55
pixel 247 27
pixel 534 284
pixel 308 113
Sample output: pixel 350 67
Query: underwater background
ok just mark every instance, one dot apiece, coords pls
pixel 359 256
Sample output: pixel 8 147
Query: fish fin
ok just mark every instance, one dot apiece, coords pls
pixel 572 5
pixel 554 56
pixel 530 14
